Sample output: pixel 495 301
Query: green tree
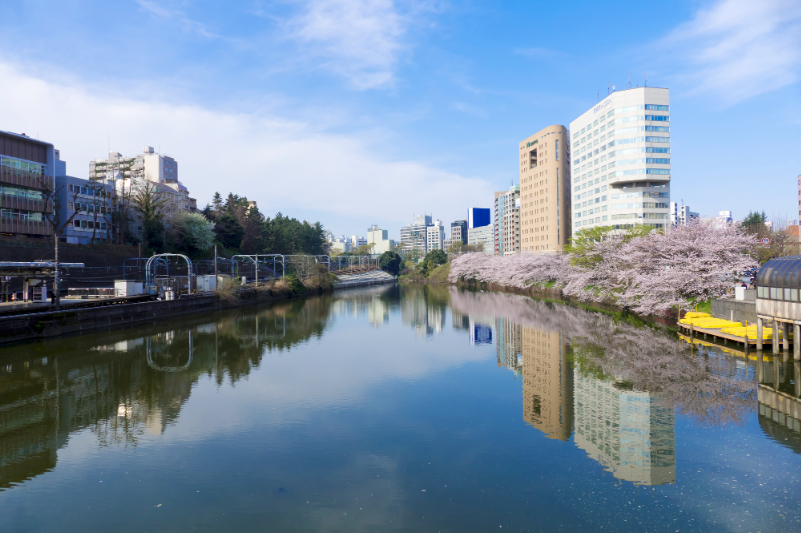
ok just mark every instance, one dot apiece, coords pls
pixel 436 257
pixel 149 202
pixel 432 260
pixel 194 231
pixel 229 231
pixel 365 249
pixel 390 262
pixel 754 223
pixel 582 243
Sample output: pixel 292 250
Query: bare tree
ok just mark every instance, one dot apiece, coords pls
pixel 120 175
pixel 52 197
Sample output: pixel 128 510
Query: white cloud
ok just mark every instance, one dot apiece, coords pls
pixel 284 164
pixel 361 40
pixel 738 49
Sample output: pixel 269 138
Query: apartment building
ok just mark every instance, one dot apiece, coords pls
pixel 544 213
pixel 507 221
pixel 681 216
pixel 149 166
pixel 415 235
pixel 92 203
pixel 435 236
pixel 621 161
pixel 380 239
pixel 483 236
pixel 459 231
pixel 27 170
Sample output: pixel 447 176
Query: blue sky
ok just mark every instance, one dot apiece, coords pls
pixel 354 112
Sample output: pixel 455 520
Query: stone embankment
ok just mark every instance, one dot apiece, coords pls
pixel 45 324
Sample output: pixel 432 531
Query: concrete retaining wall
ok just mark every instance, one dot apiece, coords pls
pixel 742 310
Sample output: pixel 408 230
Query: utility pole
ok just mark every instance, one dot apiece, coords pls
pixel 56 294
pixel 257 270
pixel 215 265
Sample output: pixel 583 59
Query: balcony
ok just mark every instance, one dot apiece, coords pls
pixel 23 178
pixel 25 227
pixel 8 201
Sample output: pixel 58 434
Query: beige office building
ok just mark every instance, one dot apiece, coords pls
pixel 547 383
pixel 545 191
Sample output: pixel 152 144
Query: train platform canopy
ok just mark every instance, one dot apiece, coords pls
pixel 34 268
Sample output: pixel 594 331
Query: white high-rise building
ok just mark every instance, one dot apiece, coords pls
pixel 380 239
pixel 435 236
pixel 621 161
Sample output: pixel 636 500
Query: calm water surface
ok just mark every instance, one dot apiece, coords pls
pixel 396 409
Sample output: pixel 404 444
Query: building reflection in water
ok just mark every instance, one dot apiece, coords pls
pixel 509 345
pixel 779 395
pixel 424 309
pixel 629 432
pixel 547 383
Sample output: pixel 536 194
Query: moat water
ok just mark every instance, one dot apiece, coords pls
pixel 397 409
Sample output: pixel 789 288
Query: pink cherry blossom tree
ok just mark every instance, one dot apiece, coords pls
pixel 648 273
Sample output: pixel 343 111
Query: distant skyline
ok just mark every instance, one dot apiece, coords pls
pixel 361 112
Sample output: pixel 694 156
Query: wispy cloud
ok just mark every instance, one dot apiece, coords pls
pixel 285 164
pixel 539 53
pixel 186 23
pixel 737 49
pixel 361 40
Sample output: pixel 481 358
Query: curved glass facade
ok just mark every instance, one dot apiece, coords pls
pixel 780 279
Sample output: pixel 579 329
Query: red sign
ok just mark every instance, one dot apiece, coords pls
pixel 766 240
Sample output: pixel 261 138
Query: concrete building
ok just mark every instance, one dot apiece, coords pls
pixel 435 236
pixel 339 245
pixel 415 235
pixel 628 432
pixel 356 241
pixel 545 182
pixel 380 239
pixel 621 161
pixel 547 383
pixel 128 173
pixel 507 221
pixel 93 203
pixel 680 216
pixel 459 231
pixel 27 169
pixel 484 236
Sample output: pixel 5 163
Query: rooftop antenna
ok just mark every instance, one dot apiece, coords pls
pixel 607 88
pixel 646 80
pixel 598 94
pixel 629 81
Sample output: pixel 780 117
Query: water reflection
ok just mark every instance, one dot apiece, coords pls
pixel 616 385
pixel 779 396
pixel 608 394
pixel 130 386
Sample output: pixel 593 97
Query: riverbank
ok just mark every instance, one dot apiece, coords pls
pixel 556 295
pixel 49 324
